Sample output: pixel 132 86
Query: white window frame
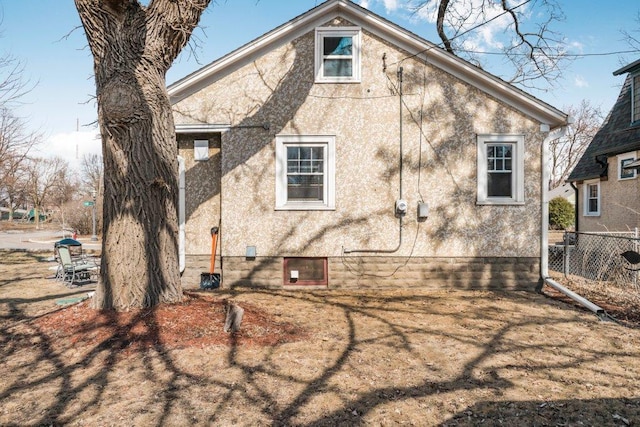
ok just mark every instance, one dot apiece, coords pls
pixel 635 97
pixel 628 157
pixel 321 33
pixel 329 198
pixel 517 164
pixel 586 198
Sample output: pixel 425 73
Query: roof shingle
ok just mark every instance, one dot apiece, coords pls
pixel 616 135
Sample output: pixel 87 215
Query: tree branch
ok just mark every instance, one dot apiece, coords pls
pixel 442 11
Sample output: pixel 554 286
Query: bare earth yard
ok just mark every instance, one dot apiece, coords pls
pixel 310 358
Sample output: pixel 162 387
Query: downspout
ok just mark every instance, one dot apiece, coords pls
pixel 181 214
pixel 544 243
pixel 400 165
pixel 575 211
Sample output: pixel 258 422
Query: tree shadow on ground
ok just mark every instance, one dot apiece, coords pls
pixel 368 355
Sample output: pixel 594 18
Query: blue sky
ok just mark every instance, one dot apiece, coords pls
pixel 43 34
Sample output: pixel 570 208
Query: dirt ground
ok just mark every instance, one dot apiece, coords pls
pixel 310 358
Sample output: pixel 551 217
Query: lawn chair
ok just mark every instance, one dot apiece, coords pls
pixel 71 271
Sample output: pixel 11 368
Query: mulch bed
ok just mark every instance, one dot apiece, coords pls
pixel 195 322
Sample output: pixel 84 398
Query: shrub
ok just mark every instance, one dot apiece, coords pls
pixel 561 214
pixel 79 217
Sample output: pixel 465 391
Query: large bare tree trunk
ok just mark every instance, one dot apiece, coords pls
pixel 133 46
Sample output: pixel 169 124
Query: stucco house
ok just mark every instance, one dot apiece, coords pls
pixel 606 176
pixel 340 150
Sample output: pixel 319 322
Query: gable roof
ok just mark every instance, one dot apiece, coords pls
pixel 565 191
pixel 375 24
pixel 634 66
pixel 617 135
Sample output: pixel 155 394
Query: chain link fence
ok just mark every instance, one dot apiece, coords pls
pixel 603 263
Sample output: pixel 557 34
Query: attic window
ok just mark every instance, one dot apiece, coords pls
pixel 635 99
pixel 337 55
pixel 624 160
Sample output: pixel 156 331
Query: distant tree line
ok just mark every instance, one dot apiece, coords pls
pixel 47 187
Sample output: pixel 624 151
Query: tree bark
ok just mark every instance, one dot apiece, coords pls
pixel 133 46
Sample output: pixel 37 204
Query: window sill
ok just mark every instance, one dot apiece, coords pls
pixel 592 215
pixel 499 203
pixel 303 207
pixel 337 81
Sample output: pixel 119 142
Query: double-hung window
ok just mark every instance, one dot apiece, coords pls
pixel 337 55
pixel 500 169
pixel 592 198
pixel 305 172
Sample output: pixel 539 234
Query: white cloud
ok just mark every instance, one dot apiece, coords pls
pixel 71 146
pixel 580 81
pixel 577 46
pixel 390 5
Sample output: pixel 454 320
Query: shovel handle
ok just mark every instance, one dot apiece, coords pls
pixel 214 238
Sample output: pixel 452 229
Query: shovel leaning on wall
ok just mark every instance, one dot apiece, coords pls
pixel 211 280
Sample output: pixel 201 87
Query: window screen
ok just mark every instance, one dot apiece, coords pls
pixel 305 173
pixel 499 170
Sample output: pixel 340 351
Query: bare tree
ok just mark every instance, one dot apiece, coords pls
pixel 13 178
pixel 92 176
pixel 92 172
pixel 13 86
pixel 632 37
pixel 43 178
pixel 64 190
pixel 566 151
pixel 15 140
pixel 133 46
pixel 528 44
pixel 15 144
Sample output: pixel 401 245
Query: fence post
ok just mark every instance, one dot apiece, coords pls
pixel 565 254
pixel 635 248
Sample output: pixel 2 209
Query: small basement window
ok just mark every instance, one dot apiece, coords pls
pixel 305 272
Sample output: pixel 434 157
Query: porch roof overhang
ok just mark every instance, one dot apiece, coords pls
pixel 183 128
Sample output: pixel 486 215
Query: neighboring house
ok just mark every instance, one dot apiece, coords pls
pixel 609 193
pixel 565 191
pixel 340 150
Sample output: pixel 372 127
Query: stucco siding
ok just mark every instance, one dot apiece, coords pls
pixel 620 204
pixel 441 117
pixel 202 198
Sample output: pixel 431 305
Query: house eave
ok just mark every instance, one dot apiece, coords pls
pixel 412 43
pixel 634 66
